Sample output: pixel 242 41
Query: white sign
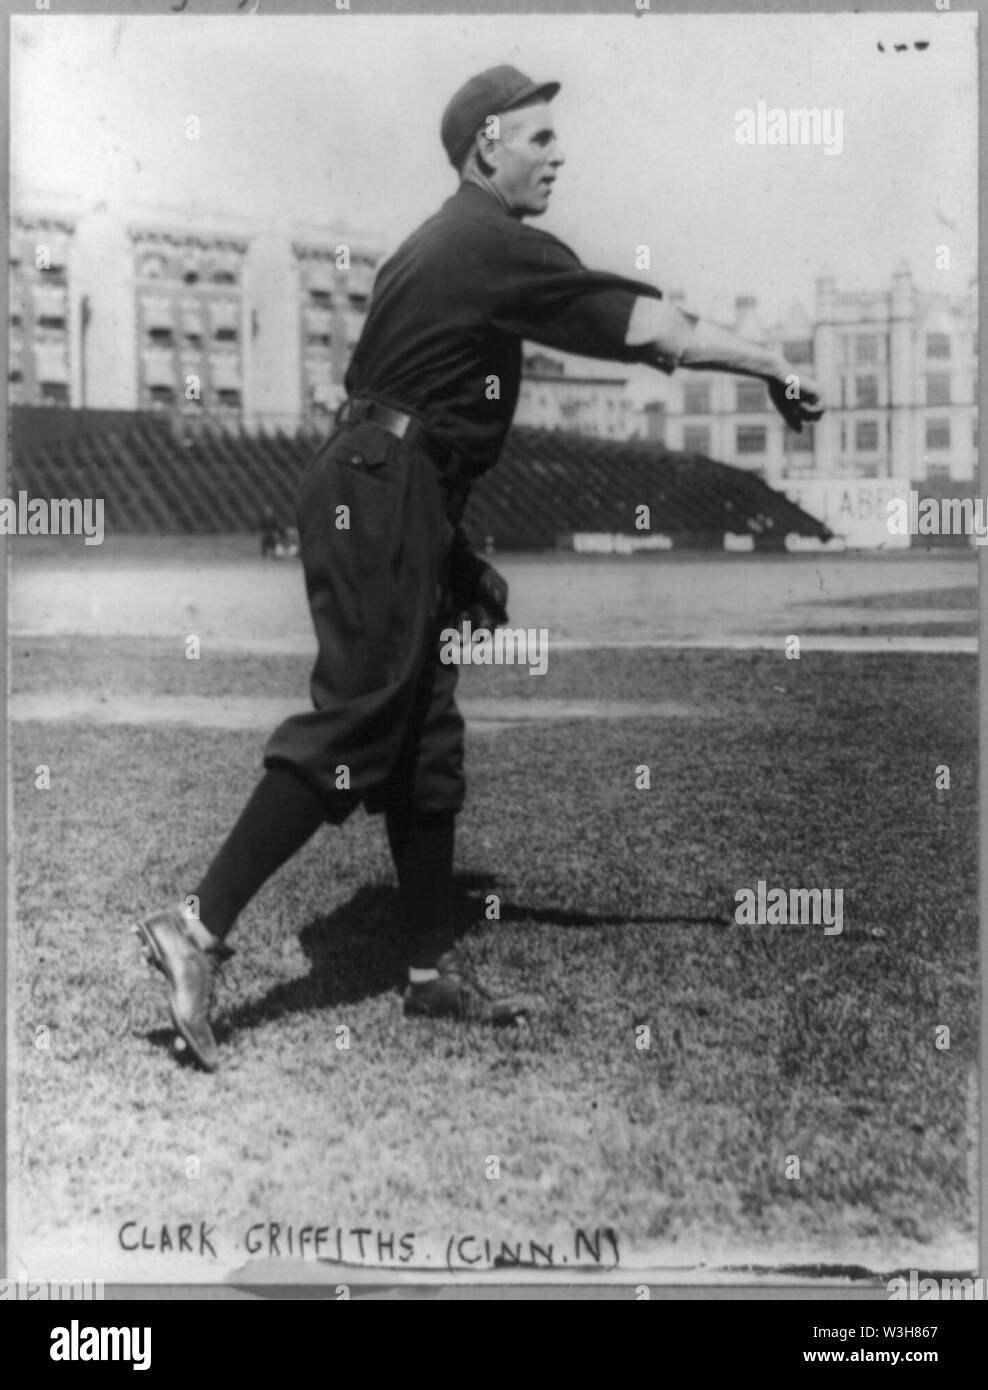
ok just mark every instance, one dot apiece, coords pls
pixel 855 509
pixel 606 543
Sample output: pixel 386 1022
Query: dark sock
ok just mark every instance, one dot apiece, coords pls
pixel 422 849
pixel 280 816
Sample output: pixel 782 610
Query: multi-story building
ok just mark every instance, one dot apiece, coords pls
pixel 898 369
pixel 191 321
pixel 554 397
pixel 309 288
pixel 42 360
pixel 334 286
pixel 203 320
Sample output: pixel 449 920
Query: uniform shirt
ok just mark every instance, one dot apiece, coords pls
pixel 451 307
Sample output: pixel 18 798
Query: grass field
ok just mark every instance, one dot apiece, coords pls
pixel 615 907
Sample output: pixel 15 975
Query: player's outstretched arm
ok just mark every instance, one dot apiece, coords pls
pixel 678 339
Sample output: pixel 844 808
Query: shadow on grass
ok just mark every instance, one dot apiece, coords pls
pixel 359 950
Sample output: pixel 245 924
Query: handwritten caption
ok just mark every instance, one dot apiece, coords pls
pixel 366 1245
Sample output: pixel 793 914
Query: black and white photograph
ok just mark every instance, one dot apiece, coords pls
pixel 493 521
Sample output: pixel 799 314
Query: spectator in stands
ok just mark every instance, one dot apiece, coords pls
pixel 270 533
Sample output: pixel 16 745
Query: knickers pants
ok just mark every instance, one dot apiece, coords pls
pixel 375 545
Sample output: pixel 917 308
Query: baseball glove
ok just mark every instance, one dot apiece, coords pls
pixel 478 592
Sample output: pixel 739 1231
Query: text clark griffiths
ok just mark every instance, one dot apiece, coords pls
pixel 595 1248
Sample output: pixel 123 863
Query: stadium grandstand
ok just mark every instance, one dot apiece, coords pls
pixel 548 487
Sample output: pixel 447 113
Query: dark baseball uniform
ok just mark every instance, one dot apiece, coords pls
pixel 443 343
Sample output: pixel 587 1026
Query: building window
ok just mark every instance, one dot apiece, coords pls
pixel 696 398
pixel 798 350
pixel 866 391
pixel 224 277
pixel 191 277
pixel 938 471
pixel 937 345
pixel 51 321
pixel 15 320
pixel 54 393
pixel 696 439
pixel 225 335
pixel 751 396
pixel 937 388
pixel 322 298
pixel 752 439
pixel 229 397
pixel 161 337
pixel 938 434
pixel 193 340
pixel 15 374
pixel 866 435
pixel 319 340
pixel 866 347
pixel 802 443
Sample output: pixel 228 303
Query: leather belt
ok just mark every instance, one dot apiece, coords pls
pixel 355 410
pixel 396 422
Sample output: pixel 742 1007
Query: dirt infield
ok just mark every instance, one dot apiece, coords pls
pixel 213 712
pixel 220 589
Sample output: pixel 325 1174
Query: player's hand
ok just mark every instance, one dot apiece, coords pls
pixel 796 397
pixel 490 607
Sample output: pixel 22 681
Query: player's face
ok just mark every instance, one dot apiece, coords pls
pixel 526 157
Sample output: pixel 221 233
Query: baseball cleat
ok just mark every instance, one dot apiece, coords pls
pixel 457 994
pixel 190 958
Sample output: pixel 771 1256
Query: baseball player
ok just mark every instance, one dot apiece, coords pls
pixel 432 386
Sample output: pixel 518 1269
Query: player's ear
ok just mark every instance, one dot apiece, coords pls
pixel 487 151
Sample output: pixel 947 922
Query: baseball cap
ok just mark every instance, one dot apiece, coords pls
pixel 498 89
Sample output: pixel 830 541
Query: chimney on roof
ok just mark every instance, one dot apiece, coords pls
pixel 746 321
pixel 902 291
pixel 826 295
